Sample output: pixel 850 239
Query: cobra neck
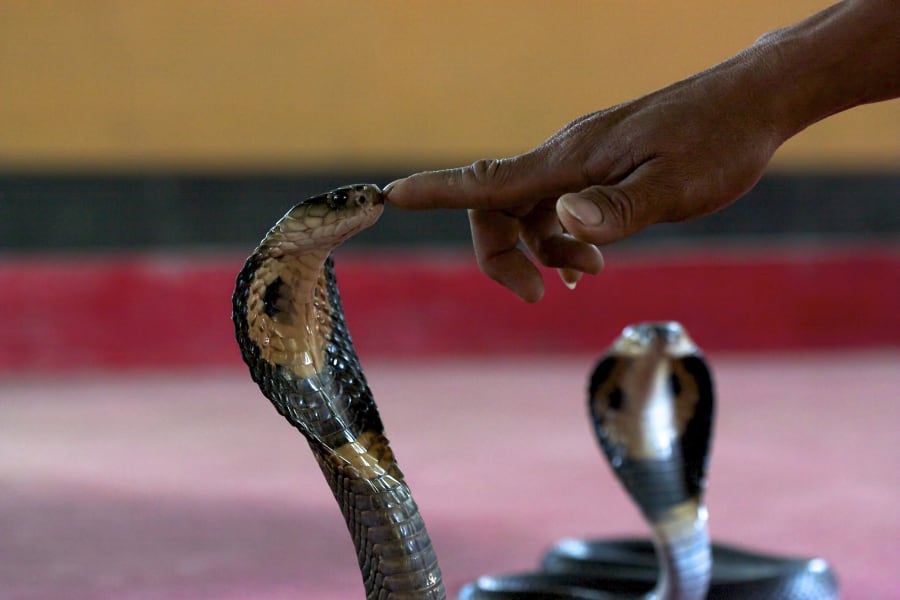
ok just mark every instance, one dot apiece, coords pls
pixel 310 274
pixel 300 312
pixel 681 540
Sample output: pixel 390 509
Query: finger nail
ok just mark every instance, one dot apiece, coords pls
pixel 569 277
pixel 582 209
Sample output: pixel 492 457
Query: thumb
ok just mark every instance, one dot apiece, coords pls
pixel 485 184
pixel 603 214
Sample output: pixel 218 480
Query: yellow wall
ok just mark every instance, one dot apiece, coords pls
pixel 309 84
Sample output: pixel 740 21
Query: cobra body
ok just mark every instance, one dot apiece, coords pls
pixel 292 334
pixel 651 402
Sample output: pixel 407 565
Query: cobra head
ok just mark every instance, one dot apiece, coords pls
pixel 651 401
pixel 323 222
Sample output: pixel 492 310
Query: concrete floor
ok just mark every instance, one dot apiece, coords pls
pixel 189 485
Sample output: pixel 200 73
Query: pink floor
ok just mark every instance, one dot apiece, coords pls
pixel 190 486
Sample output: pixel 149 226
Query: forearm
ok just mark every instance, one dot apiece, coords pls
pixel 844 56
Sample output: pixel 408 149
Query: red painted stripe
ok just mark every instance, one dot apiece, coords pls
pixel 174 311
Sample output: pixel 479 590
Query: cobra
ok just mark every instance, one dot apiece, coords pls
pixel 651 401
pixel 290 327
pixel 292 334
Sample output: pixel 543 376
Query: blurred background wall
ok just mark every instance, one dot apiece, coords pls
pixel 172 126
pixel 147 145
pixel 130 120
pixel 160 104
pixel 239 85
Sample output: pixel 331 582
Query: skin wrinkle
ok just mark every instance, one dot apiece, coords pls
pixel 622 207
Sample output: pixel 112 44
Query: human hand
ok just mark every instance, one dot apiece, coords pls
pixel 678 153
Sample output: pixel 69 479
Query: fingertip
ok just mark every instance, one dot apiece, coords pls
pixel 386 190
pixel 399 193
pixel 564 251
pixel 525 282
pixel 531 294
pixel 585 257
pixel 514 271
pixel 570 277
pixel 426 190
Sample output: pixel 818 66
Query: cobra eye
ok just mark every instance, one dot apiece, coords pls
pixel 338 199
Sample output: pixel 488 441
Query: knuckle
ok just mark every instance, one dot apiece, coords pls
pixel 541 252
pixel 549 251
pixel 482 179
pixel 488 171
pixel 622 208
pixel 492 266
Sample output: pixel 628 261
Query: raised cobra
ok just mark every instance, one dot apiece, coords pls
pixel 650 398
pixel 652 404
pixel 290 328
pixel 651 401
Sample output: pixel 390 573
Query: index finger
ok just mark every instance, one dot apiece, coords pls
pixel 485 184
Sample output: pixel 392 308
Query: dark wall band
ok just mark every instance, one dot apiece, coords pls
pixel 185 211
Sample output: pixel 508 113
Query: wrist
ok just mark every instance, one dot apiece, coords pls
pixel 844 56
